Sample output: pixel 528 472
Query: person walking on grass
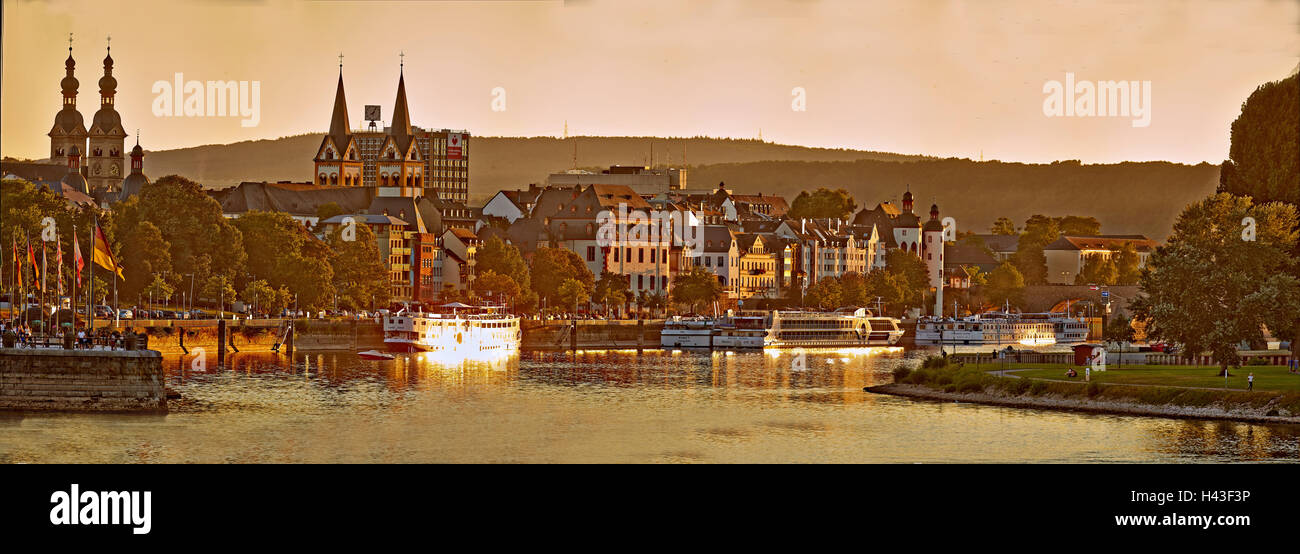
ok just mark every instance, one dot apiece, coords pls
pixel 1250 382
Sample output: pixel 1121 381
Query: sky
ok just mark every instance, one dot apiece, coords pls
pixel 960 79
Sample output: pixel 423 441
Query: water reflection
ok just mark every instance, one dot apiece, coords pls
pixel 601 406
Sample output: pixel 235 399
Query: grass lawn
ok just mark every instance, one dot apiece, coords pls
pixel 1273 378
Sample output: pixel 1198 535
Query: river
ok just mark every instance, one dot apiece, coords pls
pixel 601 406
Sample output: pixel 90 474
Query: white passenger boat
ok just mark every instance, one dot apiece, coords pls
pixel 741 331
pixel 455 328
pixel 1002 328
pixel 847 327
pixel 687 332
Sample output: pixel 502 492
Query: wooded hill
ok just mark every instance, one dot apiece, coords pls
pixel 1131 197
pixel 1127 198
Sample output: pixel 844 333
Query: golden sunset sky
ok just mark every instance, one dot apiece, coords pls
pixel 936 78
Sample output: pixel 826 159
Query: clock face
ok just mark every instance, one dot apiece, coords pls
pixel 98 169
pixel 115 171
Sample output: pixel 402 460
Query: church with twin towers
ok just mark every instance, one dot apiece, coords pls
pixel 96 154
pixel 397 159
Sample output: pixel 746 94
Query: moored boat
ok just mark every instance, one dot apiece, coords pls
pixel 687 332
pixel 374 355
pixel 1002 328
pixel 454 328
pixel 846 327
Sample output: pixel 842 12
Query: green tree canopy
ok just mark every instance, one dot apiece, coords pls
pixel 285 254
pixel 1128 264
pixel 573 292
pixel 1005 285
pixel 360 276
pixel 1209 290
pixel 496 255
pixel 1262 160
pixel 1003 226
pixel 823 203
pixel 552 266
pixel 695 288
pixel 495 286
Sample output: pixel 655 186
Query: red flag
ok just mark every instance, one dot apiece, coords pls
pixel 77 261
pixel 36 271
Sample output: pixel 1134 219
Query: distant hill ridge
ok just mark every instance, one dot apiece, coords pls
pixel 1130 197
pixel 495 162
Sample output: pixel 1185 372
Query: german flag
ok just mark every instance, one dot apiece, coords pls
pixel 103 255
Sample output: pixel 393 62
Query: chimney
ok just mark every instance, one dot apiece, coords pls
pixel 803 226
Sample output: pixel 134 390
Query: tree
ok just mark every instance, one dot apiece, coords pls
pixel 200 239
pixel 612 288
pixel 491 284
pixel 360 276
pixel 326 211
pixel 1099 270
pixel 853 289
pixel 1209 290
pixel 888 287
pixel 1005 285
pixel 655 302
pixel 1075 225
pixel 496 255
pixel 159 289
pixel 1119 330
pixel 1029 259
pixel 695 287
pixel 219 290
pixel 573 292
pixel 285 254
pixel 912 275
pixel 1003 226
pixel 1128 264
pixel 1265 137
pixel 826 294
pixel 823 203
pixel 258 295
pixel 145 255
pixel 552 266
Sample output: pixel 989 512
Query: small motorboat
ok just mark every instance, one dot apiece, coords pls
pixel 374 355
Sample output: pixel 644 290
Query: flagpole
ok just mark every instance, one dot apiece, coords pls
pixel 27 241
pixel 90 291
pixel 45 269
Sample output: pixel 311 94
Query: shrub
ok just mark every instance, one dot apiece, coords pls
pixel 970 383
pixel 1019 386
pixel 901 373
pixel 934 362
pixel 1256 361
pixel 1038 387
pixel 1094 389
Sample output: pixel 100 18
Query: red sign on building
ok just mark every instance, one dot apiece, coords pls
pixel 453 146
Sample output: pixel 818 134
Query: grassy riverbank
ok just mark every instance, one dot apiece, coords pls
pixel 977 382
pixel 1272 378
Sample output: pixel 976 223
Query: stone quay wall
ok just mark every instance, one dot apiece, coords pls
pixel 81 380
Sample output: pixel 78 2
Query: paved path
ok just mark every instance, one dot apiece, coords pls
pixel 1012 373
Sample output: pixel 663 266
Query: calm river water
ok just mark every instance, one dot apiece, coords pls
pixel 612 406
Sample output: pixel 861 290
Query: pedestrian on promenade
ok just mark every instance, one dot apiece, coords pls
pixel 1250 382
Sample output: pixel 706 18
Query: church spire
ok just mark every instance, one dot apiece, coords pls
pixel 401 115
pixel 339 129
